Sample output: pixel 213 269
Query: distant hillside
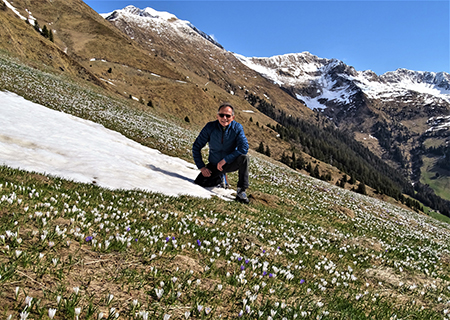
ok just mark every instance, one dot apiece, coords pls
pixel 400 116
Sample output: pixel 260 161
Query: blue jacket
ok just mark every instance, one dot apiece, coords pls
pixel 224 143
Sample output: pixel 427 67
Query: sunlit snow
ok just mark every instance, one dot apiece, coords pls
pixel 304 70
pixel 35 138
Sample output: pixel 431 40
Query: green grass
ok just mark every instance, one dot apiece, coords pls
pixel 440 184
pixel 301 249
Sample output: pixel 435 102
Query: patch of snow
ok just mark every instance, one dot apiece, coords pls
pixel 35 138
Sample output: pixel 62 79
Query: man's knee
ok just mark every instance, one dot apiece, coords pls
pixel 241 162
pixel 243 158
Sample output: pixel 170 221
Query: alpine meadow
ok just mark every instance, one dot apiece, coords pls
pixel 341 223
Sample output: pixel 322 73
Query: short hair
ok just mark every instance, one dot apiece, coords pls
pixel 226 104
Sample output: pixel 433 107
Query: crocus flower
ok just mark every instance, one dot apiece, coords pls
pixel 51 313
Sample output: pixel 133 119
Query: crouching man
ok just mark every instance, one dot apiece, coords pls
pixel 228 147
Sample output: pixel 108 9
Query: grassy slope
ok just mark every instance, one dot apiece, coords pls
pixel 441 184
pixel 301 247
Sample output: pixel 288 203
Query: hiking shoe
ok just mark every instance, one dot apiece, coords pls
pixel 242 196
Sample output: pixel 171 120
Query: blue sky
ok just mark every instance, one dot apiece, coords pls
pixel 369 35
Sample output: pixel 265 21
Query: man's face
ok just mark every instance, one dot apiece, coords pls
pixel 225 116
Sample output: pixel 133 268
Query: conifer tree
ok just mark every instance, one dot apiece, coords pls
pixel 267 151
pixel 260 149
pixel 309 168
pixel 44 31
pixel 293 161
pixel 316 173
pixel 36 26
pixel 285 159
pixel 300 161
pixel 361 188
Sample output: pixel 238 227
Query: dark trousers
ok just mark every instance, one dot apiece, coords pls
pixel 240 164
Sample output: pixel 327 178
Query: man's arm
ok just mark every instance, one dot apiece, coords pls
pixel 241 146
pixel 198 145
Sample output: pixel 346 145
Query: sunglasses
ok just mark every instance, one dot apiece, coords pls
pixel 225 115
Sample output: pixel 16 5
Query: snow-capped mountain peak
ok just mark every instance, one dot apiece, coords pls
pixel 150 17
pixel 336 83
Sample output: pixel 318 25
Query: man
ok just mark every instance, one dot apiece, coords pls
pixel 228 149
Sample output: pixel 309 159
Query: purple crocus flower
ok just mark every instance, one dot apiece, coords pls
pixel 264 273
pixel 199 243
pixel 242 267
pixel 302 281
pixel 270 275
pixel 89 238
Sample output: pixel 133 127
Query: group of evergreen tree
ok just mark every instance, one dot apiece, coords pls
pixel 294 161
pixel 315 173
pixel 443 152
pixel 340 149
pixel 344 180
pixel 261 149
pixel 413 204
pixel 45 32
pixel 387 142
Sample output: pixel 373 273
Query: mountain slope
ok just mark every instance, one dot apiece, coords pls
pixel 179 43
pixel 301 249
pixel 169 65
pixel 22 40
pixel 392 114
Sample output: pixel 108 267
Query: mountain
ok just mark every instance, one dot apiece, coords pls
pixel 394 114
pixel 165 20
pixel 197 55
pixel 302 248
pixel 174 69
pixel 349 98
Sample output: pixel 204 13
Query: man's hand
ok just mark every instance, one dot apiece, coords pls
pixel 221 164
pixel 205 172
